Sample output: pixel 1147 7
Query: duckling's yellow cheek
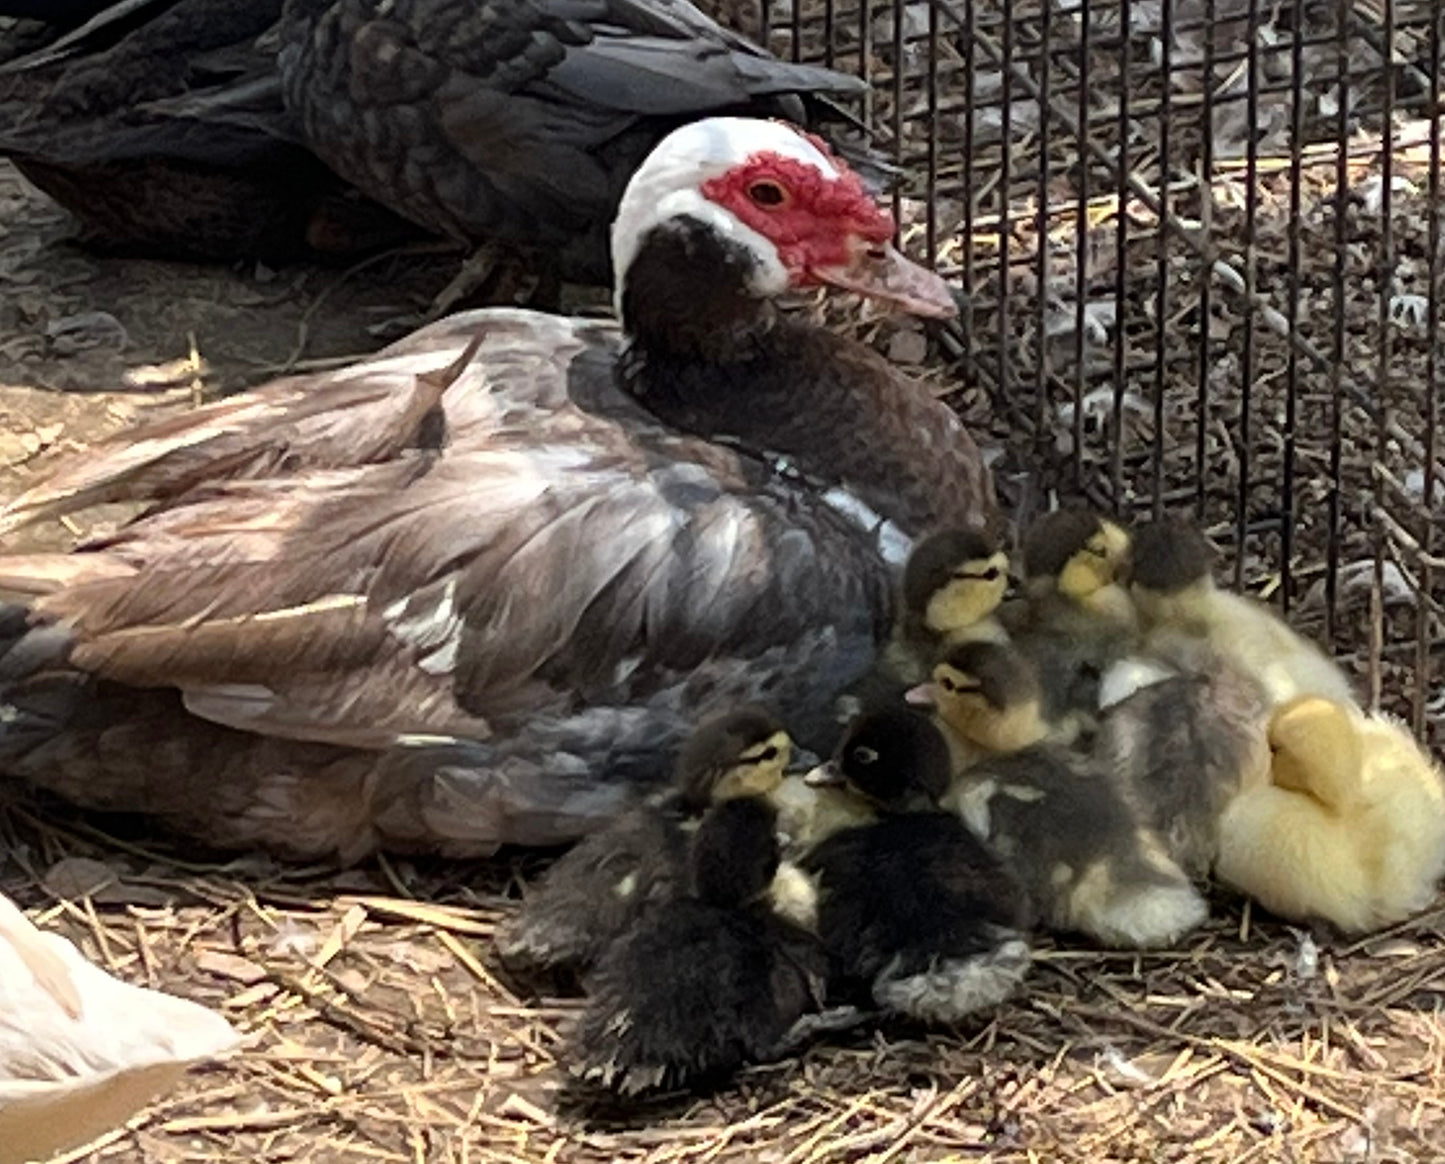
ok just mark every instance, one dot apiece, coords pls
pixel 1115 542
pixel 1081 576
pixel 962 603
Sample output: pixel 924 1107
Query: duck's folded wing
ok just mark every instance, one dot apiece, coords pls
pixel 438 594
pixel 371 412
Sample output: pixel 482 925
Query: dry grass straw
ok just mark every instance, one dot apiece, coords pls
pixel 378 1027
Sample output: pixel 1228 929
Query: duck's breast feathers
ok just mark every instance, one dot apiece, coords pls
pixel 539 555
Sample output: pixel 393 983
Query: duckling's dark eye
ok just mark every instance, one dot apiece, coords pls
pixel 991 574
pixel 767 194
pixel 865 755
pixel 948 684
pixel 767 754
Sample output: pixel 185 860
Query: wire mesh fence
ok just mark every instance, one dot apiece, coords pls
pixel 1200 242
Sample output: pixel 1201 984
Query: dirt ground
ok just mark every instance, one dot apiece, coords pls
pixel 376 1024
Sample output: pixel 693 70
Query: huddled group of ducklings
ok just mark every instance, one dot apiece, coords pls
pixel 1080 757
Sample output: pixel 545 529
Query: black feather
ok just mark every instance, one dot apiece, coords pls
pixel 702 985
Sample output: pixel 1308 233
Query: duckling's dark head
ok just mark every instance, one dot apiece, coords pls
pixel 1170 575
pixel 743 752
pixel 989 693
pixel 1170 556
pixel 734 853
pixel 954 578
pixel 891 757
pixel 1074 551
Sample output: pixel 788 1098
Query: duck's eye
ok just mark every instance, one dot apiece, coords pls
pixel 865 755
pixel 991 574
pixel 767 755
pixel 948 684
pixel 767 194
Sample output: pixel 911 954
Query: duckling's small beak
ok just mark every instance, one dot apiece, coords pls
pixel 825 775
pixel 924 695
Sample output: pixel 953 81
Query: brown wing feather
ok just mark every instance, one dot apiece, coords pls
pixel 548 558
pixel 339 420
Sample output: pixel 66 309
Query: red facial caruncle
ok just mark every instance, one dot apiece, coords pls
pixel 814 221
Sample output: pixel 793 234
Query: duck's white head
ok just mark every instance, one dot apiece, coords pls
pixel 803 217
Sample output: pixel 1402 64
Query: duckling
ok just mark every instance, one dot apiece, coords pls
pixel 707 982
pixel 810 813
pixel 951 588
pixel 912 908
pixel 1177 601
pixel 1075 618
pixel 1066 828
pixel 603 884
pixel 953 584
pixel 81 1052
pixel 1184 746
pixel 1350 826
pixel 988 700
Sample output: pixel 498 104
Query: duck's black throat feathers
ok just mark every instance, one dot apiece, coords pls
pixel 707 356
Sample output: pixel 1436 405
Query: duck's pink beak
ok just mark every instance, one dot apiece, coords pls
pixel 923 695
pixel 882 271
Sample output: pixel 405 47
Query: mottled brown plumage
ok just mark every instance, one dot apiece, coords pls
pixel 484 580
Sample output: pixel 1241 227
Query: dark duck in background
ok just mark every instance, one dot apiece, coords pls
pixel 159 125
pixel 475 589
pixel 520 123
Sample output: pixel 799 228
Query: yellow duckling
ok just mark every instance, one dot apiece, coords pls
pixel 953 585
pixel 988 699
pixel 81 1052
pixel 1076 617
pixel 1349 828
pixel 1178 603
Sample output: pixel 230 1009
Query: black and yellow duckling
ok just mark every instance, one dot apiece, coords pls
pixel 915 912
pixel 988 701
pixel 708 982
pixel 1184 746
pixel 1349 826
pixel 1066 828
pixel 950 591
pixel 1173 590
pixel 609 879
pixel 953 583
pixel 1075 617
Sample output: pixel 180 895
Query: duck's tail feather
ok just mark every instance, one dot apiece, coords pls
pixel 297 423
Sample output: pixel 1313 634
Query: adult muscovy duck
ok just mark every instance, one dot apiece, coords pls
pixel 159 124
pixel 520 122
pixel 475 589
